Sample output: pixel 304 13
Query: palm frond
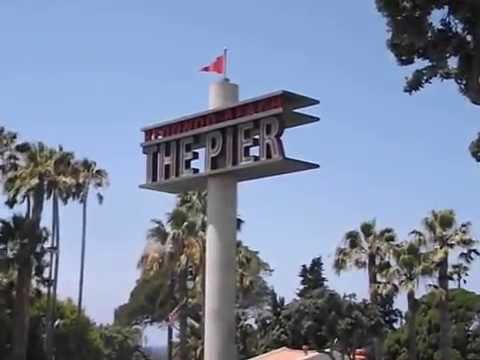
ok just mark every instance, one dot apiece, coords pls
pixel 353 241
pixel 368 228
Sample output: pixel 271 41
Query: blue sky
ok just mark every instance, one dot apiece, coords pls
pixel 88 75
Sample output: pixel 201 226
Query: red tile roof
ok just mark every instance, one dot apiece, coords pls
pixel 288 354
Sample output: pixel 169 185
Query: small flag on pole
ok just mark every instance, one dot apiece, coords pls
pixel 219 65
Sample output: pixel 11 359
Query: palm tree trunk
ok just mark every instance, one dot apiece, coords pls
pixel 412 329
pixel 372 289
pixel 49 324
pixel 22 308
pixel 170 327
pixel 372 278
pixel 29 207
pixel 57 259
pixel 202 299
pixel 445 340
pixel 24 282
pixel 183 315
pixel 84 244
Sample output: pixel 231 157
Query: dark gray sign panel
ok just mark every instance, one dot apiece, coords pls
pixel 243 141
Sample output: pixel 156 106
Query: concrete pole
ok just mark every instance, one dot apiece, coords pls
pixel 221 249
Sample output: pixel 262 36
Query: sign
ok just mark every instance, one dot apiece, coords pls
pixel 244 140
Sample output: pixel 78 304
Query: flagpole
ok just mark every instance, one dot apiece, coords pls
pixel 226 63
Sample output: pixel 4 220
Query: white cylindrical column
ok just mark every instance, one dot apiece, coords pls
pixel 220 327
pixel 222 93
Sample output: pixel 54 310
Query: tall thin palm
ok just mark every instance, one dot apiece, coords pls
pixel 368 249
pixel 60 188
pixel 88 177
pixel 444 235
pixel 412 263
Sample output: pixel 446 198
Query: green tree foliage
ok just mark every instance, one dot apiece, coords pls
pixel 22 246
pixel 175 252
pixel 119 343
pixel 270 325
pixel 31 174
pixel 460 271
pixel 444 235
pixel 76 336
pixel 474 148
pixel 313 320
pixel 412 263
pixel 323 320
pixel 368 249
pixel 148 302
pixel 312 277
pixel 319 318
pixel 464 308
pixel 441 38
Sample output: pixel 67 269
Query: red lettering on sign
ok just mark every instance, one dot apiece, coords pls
pixel 277 102
pixel 177 129
pixel 199 123
pixel 238 111
pixel 261 106
pixel 211 119
pixel 187 126
pixel 148 135
pixel 228 115
pixel 215 118
pixel 166 131
pixel 250 109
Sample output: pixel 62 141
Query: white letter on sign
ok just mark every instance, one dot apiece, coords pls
pixel 229 147
pixel 270 144
pixel 213 143
pixel 245 142
pixel 151 152
pixel 167 161
pixel 186 156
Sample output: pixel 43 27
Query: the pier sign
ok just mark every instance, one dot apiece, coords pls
pixel 244 140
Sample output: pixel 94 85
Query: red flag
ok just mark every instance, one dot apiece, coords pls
pixel 218 66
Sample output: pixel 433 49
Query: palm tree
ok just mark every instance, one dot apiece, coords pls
pixel 174 251
pixel 185 252
pixel 443 234
pixel 459 272
pixel 33 173
pixel 368 249
pixel 8 141
pixel 88 177
pixel 24 241
pixel 180 251
pixel 151 262
pixel 252 289
pixel 412 264
pixel 60 187
pixel 26 179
